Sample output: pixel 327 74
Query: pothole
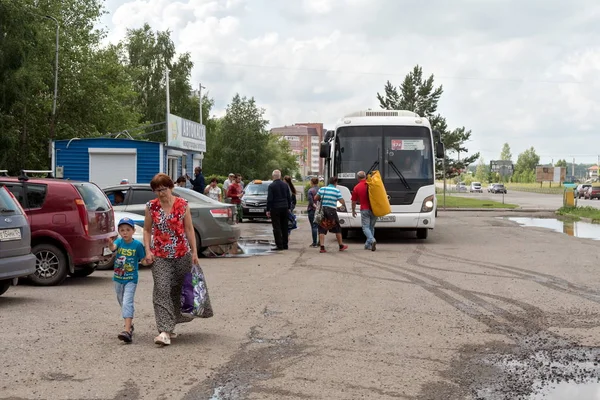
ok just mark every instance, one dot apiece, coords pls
pixel 245 247
pixel 578 229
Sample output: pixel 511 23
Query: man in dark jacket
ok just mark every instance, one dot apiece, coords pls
pixel 279 203
pixel 198 183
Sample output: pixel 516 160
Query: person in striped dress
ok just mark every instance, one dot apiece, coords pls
pixel 329 196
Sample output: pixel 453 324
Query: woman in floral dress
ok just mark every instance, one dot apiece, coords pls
pixel 170 244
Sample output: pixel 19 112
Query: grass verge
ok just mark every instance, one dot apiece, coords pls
pixel 535 188
pixel 468 202
pixel 580 212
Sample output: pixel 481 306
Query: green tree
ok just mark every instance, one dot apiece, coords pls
pixel 421 96
pixel 505 154
pixel 525 166
pixel 482 171
pixel 148 55
pixel 94 92
pixel 242 139
pixel 561 163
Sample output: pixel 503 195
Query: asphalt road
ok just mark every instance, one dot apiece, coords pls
pixel 413 320
pixel 528 200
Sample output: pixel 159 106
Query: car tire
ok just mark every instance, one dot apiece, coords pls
pixel 106 264
pixel 4 285
pixel 84 271
pixel 422 233
pixel 51 265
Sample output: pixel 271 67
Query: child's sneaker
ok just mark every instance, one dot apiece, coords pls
pixel 125 336
pixel 343 247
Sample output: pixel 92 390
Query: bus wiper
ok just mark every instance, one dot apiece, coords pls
pixel 375 165
pixel 397 171
pixel 6 210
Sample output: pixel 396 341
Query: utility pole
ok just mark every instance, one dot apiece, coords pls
pixel 200 87
pixel 573 167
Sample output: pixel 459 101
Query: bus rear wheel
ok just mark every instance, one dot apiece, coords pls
pixel 422 233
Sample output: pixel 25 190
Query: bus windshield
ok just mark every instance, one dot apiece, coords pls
pixel 400 153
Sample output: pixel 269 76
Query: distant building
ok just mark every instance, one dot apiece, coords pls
pixel 593 172
pixel 304 140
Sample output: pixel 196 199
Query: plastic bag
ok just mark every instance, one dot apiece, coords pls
pixel 380 205
pixel 195 302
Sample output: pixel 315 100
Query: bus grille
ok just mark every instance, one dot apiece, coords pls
pixel 401 198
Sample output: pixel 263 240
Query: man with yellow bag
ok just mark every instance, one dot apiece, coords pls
pixel 360 195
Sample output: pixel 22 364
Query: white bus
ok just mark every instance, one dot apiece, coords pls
pixel 400 144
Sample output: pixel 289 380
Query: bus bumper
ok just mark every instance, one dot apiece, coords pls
pixel 391 221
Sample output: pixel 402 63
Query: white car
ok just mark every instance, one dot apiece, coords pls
pixel 138 220
pixel 476 187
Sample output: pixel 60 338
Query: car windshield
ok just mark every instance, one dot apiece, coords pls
pixel 7 203
pixel 257 189
pixel 93 197
pixel 476 184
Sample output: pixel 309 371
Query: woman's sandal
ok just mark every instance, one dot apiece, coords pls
pixel 162 339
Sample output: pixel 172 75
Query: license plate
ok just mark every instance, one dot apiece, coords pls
pixel 256 210
pixel 10 234
pixel 107 252
pixel 387 218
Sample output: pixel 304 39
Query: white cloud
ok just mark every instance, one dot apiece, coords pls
pixel 512 71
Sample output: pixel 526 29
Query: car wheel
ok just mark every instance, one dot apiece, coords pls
pixel 50 266
pixel 84 271
pixel 107 263
pixel 4 285
pixel 422 233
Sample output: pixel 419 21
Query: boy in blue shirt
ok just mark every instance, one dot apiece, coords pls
pixel 129 253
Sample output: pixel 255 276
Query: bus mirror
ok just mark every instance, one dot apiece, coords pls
pixel 439 150
pixel 328 136
pixel 325 151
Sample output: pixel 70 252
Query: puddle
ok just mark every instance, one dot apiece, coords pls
pixel 245 247
pixel 578 229
pixel 568 391
pixel 559 374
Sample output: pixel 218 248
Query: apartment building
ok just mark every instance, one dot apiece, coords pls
pixel 304 140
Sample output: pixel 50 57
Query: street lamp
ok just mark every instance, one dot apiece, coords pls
pixel 55 81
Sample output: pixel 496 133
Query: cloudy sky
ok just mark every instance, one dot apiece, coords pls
pixel 524 72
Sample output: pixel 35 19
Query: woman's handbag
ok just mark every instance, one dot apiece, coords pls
pixel 195 302
pixel 319 213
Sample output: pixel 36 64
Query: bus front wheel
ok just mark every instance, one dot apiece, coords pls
pixel 422 233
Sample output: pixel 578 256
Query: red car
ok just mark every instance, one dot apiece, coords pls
pixel 70 222
pixel 593 192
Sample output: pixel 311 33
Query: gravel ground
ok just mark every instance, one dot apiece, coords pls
pixel 483 309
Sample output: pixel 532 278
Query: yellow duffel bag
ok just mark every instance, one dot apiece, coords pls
pixel 380 205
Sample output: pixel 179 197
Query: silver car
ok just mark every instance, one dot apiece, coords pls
pixel 16 259
pixel 213 221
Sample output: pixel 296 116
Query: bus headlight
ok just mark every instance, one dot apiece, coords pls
pixel 340 207
pixel 427 204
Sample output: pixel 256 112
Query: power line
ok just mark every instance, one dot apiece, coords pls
pixel 465 78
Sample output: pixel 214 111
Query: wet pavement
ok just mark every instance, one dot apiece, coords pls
pixel 578 229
